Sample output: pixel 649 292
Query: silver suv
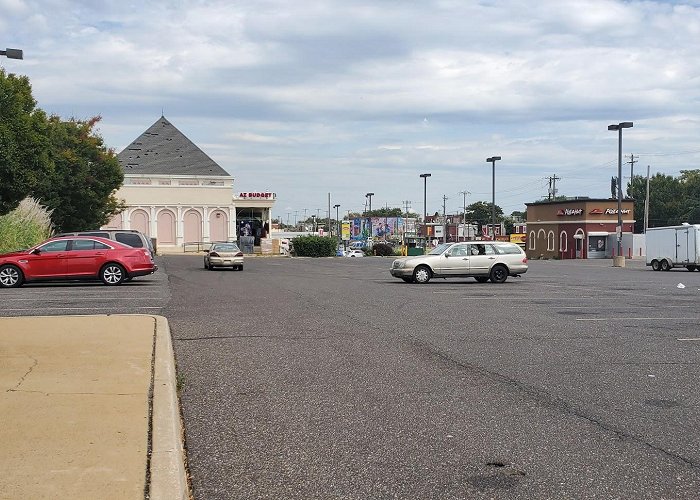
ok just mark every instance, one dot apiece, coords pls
pixel 482 260
pixel 129 237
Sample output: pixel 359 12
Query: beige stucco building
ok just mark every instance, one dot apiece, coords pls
pixel 178 195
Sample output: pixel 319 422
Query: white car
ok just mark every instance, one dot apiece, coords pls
pixel 354 253
pixel 481 260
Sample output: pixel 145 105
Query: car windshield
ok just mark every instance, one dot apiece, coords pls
pixel 225 247
pixel 440 248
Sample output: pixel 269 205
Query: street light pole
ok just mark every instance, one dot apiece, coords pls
pixel 425 209
pixel 12 53
pixel 619 260
pixel 337 221
pixel 493 160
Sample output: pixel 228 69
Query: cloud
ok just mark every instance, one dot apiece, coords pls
pixel 308 97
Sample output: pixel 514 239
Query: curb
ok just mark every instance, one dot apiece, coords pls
pixel 168 475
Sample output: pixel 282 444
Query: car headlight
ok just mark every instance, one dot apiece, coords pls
pixel 398 264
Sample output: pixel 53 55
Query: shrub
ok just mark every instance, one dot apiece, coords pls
pixel 24 227
pixel 382 249
pixel 314 246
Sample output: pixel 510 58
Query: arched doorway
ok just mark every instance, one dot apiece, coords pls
pixel 218 226
pixel 139 221
pixel 193 227
pixel 166 228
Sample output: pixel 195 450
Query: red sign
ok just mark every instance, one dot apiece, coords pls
pixel 596 211
pixel 569 211
pixel 264 196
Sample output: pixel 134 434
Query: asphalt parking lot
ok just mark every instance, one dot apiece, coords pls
pixel 318 378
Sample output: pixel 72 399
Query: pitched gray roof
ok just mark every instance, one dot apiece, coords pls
pixel 163 149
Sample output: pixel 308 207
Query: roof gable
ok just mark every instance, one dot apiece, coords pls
pixel 163 149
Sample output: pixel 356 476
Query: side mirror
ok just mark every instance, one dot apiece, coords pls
pixel 36 251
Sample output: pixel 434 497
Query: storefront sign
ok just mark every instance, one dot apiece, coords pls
pixel 608 211
pixel 264 196
pixel 569 211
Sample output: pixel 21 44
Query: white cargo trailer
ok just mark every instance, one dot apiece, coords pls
pixel 673 246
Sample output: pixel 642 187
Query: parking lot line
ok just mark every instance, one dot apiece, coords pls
pixel 637 319
pixel 682 340
pixel 74 309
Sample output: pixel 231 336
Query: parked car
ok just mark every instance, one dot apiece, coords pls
pixel 130 237
pixel 482 260
pixel 76 258
pixel 354 253
pixel 224 255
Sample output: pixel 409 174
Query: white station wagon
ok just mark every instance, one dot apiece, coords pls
pixel 482 260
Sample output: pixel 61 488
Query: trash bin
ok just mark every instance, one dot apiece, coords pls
pixel 247 244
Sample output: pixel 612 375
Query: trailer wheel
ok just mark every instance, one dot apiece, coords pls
pixel 655 265
pixel 665 266
pixel 690 268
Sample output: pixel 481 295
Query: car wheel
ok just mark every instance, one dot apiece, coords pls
pixel 240 268
pixel 11 276
pixel 498 274
pixel 655 265
pixel 112 274
pixel 422 274
pixel 665 266
pixel 481 279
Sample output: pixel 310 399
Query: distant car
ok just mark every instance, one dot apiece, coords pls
pixel 482 260
pixel 354 253
pixel 75 258
pixel 224 255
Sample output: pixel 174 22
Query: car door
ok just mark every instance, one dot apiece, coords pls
pixel 456 260
pixel 84 257
pixel 48 260
pixel 482 257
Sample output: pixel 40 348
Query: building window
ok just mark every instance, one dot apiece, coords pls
pixel 550 241
pixel 532 240
pixel 563 242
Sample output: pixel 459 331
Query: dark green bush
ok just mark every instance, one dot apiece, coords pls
pixel 314 246
pixel 382 249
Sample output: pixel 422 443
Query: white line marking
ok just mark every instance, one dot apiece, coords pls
pixel 637 319
pixel 75 309
pixel 688 339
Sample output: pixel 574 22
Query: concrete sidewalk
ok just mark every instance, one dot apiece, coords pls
pixel 89 409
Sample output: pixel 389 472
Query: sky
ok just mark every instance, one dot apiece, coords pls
pixel 307 98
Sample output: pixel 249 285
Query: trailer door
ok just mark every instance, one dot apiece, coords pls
pixel 682 245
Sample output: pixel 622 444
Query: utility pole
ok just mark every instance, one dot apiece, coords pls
pixel 444 219
pixel 631 162
pixel 406 205
pixel 553 186
pixel 464 216
pixel 328 227
pixel 646 205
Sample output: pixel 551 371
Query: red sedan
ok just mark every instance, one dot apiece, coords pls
pixel 75 257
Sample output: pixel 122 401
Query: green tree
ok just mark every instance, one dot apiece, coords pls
pixel 480 212
pixel 666 201
pixel 690 180
pixel 23 143
pixel 80 188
